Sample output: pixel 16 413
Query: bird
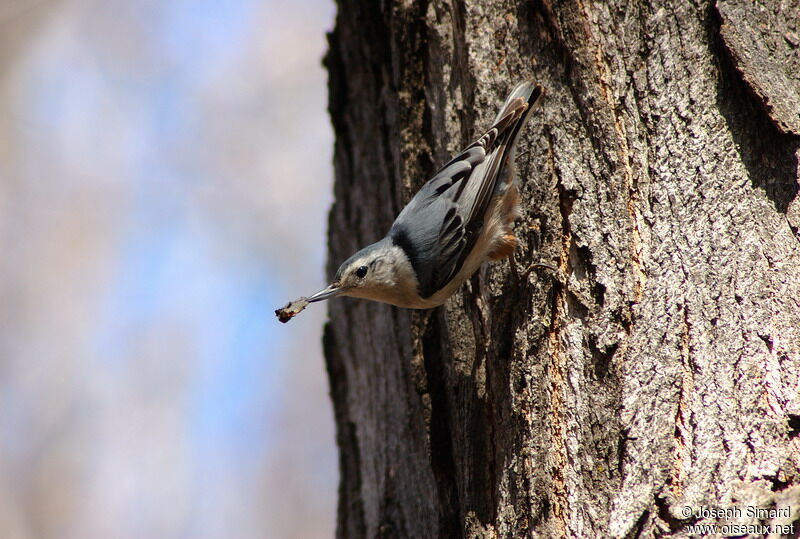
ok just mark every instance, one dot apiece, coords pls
pixel 459 219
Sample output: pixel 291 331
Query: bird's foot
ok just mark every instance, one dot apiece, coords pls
pixel 530 268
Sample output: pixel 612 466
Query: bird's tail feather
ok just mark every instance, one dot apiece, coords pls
pixel 532 94
pixel 506 127
pixel 526 90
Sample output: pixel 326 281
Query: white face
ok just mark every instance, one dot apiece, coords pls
pixel 370 277
pixel 380 272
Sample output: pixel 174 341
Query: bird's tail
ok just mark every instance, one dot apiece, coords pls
pixel 531 94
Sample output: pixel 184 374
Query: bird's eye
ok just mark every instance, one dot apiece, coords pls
pixel 361 271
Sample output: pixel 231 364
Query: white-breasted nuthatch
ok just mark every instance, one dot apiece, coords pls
pixel 459 219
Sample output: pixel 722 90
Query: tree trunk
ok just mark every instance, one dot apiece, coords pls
pixel 659 368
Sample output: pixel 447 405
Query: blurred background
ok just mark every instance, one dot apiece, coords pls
pixel 164 185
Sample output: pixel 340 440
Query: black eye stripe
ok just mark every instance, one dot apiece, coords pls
pixel 361 272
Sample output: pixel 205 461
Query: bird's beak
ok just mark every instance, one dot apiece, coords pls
pixel 330 292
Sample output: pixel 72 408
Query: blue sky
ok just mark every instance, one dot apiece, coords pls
pixel 146 138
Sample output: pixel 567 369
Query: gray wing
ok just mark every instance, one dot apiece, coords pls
pixel 439 226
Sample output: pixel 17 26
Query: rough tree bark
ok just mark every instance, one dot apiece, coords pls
pixel 660 368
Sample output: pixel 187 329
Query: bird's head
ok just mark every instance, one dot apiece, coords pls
pixel 380 272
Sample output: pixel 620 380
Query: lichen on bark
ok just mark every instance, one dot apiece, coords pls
pixel 657 368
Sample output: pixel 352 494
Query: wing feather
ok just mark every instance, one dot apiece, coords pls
pixel 439 226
